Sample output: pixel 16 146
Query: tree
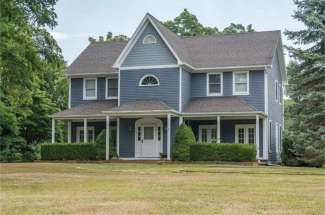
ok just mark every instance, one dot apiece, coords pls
pixel 184 138
pixel 187 24
pixel 109 38
pixel 306 77
pixel 31 69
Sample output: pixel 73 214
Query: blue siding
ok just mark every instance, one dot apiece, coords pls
pixel 227 130
pixel 76 91
pixel 149 54
pixel 256 90
pixel 167 91
pixel 186 87
pixel 101 88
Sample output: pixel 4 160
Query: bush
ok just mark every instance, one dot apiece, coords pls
pixel 183 140
pixel 288 156
pixel 73 151
pixel 101 146
pixel 222 152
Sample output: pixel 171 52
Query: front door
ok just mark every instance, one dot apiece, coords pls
pixel 148 139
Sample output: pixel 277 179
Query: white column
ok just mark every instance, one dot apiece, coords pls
pixel 85 131
pixel 180 121
pixel 168 136
pixel 218 129
pixel 265 138
pixel 107 137
pixel 69 131
pixel 118 136
pixel 257 136
pixel 53 130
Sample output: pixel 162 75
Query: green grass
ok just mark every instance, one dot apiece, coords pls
pixel 125 188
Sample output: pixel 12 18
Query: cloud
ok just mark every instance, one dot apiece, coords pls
pixel 59 36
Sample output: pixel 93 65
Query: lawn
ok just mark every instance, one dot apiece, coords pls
pixel 129 188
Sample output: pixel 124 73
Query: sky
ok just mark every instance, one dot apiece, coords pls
pixel 79 19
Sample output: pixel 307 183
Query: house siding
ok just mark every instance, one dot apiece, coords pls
pixel 256 87
pixel 167 91
pixel 149 54
pixel 186 88
pixel 275 109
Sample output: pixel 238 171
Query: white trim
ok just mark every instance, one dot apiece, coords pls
pixel 149 67
pixel 266 92
pixel 69 101
pixel 218 129
pixel 84 89
pixel 106 88
pixel 85 133
pixel 180 89
pixel 119 88
pixel 270 123
pixel 276 90
pixel 69 131
pixel 136 158
pixel 234 84
pixel 208 85
pixel 107 138
pixel 265 138
pixel 245 127
pixel 257 136
pixel 149 85
pixel 198 114
pixel 89 74
pixel 250 67
pixel 53 130
pixel 118 136
pixel 209 128
pixel 145 21
pixel 276 137
pixel 168 136
pixel 81 128
pixel 149 42
pixel 180 120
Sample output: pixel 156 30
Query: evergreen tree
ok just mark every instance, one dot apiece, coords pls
pixel 306 76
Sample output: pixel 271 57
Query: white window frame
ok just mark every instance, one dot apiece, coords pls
pixel 151 85
pixel 277 137
pixel 84 89
pixel 246 133
pixel 234 84
pixel 81 128
pixel 151 42
pixel 280 93
pixel 276 90
pixel 106 88
pixel 208 85
pixel 270 136
pixel 209 129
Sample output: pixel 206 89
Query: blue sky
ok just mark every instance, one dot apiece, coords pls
pixel 79 19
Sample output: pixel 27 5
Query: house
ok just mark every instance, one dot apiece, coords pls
pixel 228 88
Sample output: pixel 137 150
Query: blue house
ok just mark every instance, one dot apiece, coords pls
pixel 228 88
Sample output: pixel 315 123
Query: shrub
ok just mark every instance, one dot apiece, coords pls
pixel 288 156
pixel 183 140
pixel 222 152
pixel 73 151
pixel 101 146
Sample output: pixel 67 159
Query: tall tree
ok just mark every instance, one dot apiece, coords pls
pixel 109 38
pixel 31 68
pixel 306 76
pixel 187 24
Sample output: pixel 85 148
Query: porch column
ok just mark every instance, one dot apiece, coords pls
pixel 265 138
pixel 168 136
pixel 118 136
pixel 107 137
pixel 218 129
pixel 53 130
pixel 69 131
pixel 180 121
pixel 257 136
pixel 85 131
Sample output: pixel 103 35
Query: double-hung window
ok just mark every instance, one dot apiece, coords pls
pixel 90 89
pixel 214 84
pixel 240 83
pixel 111 88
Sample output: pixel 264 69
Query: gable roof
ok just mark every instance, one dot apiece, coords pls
pixel 251 49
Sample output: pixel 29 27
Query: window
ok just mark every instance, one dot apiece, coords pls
pixel 80 134
pixel 149 39
pixel 148 133
pixel 276 137
pixel 270 136
pixel 159 133
pixel 214 84
pixel 240 83
pixel 139 133
pixel 245 134
pixel 280 138
pixel 207 133
pixel 90 89
pixel 280 93
pixel 148 81
pixel 276 90
pixel 111 88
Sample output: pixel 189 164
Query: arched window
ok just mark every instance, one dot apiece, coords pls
pixel 149 80
pixel 149 39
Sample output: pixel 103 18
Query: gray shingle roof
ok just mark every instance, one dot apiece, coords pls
pixel 231 50
pixel 218 104
pixel 92 108
pixel 143 106
pixel 98 57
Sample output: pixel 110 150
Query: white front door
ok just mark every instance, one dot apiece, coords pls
pixel 148 138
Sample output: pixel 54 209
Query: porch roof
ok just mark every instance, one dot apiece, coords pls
pixel 149 106
pixel 225 104
pixel 89 109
